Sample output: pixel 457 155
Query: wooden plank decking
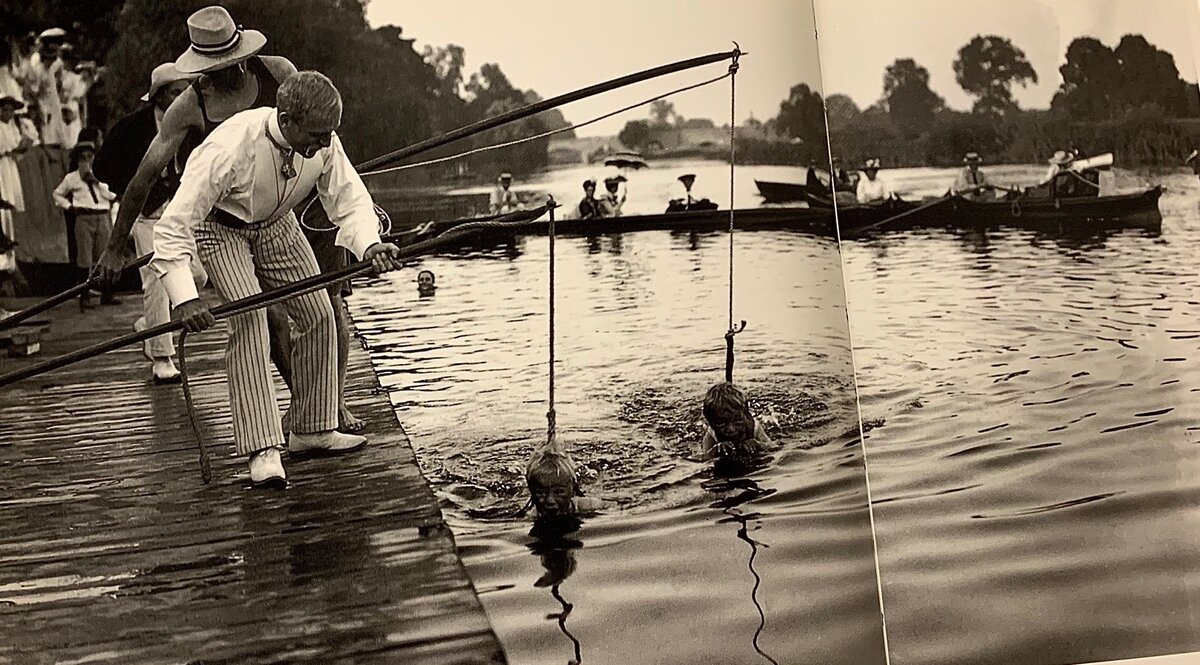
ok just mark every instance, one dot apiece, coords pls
pixel 111 549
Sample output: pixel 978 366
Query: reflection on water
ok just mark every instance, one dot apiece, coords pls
pixel 1033 453
pixel 734 492
pixel 640 321
pixel 554 545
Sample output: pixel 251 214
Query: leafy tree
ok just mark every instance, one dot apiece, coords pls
pixel 910 102
pixel 802 115
pixel 1089 75
pixel 987 67
pixel 841 111
pixel 635 134
pixel 1149 74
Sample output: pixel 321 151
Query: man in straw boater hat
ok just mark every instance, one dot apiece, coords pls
pixel 871 188
pixel 116 164
pixel 234 212
pixel 232 77
pixel 970 181
pixel 1058 162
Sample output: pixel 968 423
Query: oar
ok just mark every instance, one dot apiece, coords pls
pixel 54 301
pixel 920 208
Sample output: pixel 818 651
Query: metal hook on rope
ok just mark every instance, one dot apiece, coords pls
pixel 733 330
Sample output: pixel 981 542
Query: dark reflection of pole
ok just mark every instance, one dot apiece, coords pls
pixel 734 492
pixel 557 553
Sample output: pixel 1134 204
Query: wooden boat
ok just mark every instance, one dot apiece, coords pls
pixel 811 220
pixel 782 192
pixel 1135 210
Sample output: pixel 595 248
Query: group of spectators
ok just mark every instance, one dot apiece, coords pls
pixel 44 115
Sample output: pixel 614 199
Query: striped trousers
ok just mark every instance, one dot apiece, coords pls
pixel 240 263
pixel 156 305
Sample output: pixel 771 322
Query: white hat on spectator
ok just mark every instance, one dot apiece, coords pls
pixel 164 74
pixel 53 33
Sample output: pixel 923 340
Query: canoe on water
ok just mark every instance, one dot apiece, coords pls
pixel 1137 210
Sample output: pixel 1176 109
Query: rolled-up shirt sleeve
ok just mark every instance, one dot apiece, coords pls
pixel 208 177
pixel 347 201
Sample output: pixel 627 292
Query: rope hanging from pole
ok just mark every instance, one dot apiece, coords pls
pixel 732 330
pixel 551 418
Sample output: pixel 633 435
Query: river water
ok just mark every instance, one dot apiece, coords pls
pixel 1030 435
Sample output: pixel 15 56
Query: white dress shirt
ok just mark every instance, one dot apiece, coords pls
pixel 75 193
pixel 870 191
pixel 238 169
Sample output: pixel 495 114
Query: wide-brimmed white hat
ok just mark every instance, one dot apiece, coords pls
pixel 53 34
pixel 164 74
pixel 217 42
pixel 1060 157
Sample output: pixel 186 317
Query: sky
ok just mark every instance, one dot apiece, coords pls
pixel 860 38
pixel 554 47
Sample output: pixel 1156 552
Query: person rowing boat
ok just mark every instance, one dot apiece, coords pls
pixel 971 183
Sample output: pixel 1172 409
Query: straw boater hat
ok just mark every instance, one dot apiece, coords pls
pixel 164 74
pixel 217 42
pixel 871 165
pixel 972 158
pixel 1060 157
pixel 505 176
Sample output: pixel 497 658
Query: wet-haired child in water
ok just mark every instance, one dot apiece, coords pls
pixel 554 484
pixel 732 429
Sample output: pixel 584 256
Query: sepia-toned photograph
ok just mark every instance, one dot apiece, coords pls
pixel 393 332
pixel 1019 258
pixel 806 332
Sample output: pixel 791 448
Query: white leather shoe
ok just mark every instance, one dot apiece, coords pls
pixel 330 442
pixel 165 371
pixel 266 469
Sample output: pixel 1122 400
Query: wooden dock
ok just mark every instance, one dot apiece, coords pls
pixel 112 550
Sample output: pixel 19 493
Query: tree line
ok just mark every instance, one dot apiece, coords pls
pixel 393 94
pixel 1128 99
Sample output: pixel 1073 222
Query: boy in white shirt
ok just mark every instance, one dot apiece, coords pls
pixel 91 201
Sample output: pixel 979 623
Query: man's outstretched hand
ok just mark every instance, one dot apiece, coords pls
pixel 194 315
pixel 384 257
pixel 108 269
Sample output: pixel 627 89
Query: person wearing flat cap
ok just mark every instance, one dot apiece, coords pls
pixel 231 77
pixel 970 181
pixel 118 160
pixel 503 199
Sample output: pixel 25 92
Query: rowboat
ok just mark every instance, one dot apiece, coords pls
pixel 781 192
pixel 1135 210
pixel 810 220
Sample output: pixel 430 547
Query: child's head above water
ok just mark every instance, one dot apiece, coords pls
pixel 425 281
pixel 727 411
pixel 552 483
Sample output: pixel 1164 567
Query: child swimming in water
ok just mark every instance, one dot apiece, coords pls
pixel 732 429
pixel 425 283
pixel 554 484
